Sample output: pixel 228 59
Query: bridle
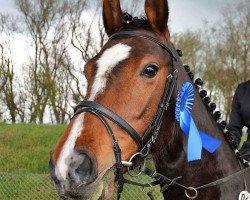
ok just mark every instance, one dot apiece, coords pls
pixel 151 135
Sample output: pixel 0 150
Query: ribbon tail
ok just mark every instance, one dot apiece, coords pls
pixel 185 122
pixel 209 143
pixel 185 128
pixel 194 142
pixel 196 139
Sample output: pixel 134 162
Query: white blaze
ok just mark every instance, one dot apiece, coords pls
pixel 67 150
pixel 108 60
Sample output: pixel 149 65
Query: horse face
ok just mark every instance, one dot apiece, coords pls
pixel 128 77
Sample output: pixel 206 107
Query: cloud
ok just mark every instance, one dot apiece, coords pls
pixel 7 6
pixel 184 14
pixel 192 13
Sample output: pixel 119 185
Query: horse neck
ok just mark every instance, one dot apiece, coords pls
pixel 170 156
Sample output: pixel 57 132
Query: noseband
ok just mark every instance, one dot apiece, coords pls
pixel 151 135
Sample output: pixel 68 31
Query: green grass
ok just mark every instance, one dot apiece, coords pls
pixel 24 156
pixel 25 148
pixel 26 187
pixel 243 140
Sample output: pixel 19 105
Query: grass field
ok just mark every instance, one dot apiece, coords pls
pixel 243 139
pixel 24 156
pixel 25 148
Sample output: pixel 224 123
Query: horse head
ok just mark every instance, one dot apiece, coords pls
pixel 127 83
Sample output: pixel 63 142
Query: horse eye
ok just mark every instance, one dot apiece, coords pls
pixel 150 71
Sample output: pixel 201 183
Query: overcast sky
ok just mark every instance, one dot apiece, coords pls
pixel 7 6
pixel 184 14
pixel 190 14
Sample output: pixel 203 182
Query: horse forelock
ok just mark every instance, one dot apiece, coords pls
pixel 135 23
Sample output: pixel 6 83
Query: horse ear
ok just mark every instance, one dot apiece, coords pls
pixel 112 16
pixel 157 15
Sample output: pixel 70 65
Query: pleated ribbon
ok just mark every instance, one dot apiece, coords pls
pixel 196 138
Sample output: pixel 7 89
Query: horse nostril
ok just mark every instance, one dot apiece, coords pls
pixel 82 169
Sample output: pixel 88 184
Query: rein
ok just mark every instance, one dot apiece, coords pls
pixel 167 182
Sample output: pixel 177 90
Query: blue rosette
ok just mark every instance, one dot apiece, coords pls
pixel 196 138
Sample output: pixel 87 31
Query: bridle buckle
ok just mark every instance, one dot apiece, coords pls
pixel 140 155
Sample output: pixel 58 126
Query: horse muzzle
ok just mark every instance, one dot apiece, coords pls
pixel 81 175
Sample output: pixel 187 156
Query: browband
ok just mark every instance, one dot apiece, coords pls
pixel 148 37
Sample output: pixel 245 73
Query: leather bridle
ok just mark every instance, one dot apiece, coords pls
pixel 151 135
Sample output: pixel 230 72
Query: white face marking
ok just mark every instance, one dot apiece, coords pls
pixel 61 167
pixel 108 60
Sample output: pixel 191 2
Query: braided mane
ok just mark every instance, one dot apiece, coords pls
pixel 211 107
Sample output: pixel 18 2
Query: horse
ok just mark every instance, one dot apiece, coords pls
pixel 129 112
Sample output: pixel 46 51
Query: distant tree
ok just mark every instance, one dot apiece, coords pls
pixel 50 65
pixel 191 45
pixel 10 97
pixel 7 88
pixel 84 38
pixel 226 60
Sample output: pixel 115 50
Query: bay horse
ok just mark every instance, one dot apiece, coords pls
pixel 129 112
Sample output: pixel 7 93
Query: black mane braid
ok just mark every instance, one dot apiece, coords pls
pixel 132 23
